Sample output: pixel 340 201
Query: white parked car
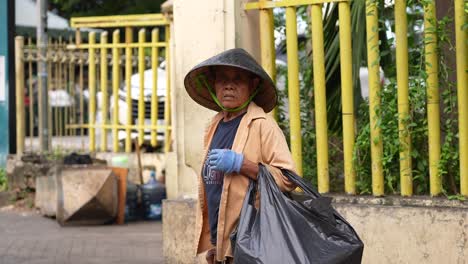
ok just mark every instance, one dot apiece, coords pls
pixel 135 95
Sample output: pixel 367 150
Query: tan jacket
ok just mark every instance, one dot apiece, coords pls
pixel 261 140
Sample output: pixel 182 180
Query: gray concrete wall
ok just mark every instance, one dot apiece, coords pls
pixel 178 232
pixel 404 230
pixel 394 229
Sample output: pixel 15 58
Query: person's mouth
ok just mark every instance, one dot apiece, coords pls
pixel 228 97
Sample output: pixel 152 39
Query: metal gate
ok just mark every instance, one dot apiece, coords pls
pixel 106 93
pixel 135 106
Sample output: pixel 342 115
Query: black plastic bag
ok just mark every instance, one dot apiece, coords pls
pixel 296 227
pixel 77 159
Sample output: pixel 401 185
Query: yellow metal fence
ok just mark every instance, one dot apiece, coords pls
pixel 268 62
pixel 65 85
pixel 89 104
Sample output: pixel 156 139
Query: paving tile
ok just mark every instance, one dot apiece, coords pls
pixel 33 239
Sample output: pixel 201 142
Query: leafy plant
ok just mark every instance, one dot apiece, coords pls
pixel 416 121
pixel 3 180
pixel 70 8
pixel 333 87
pixel 449 166
pixel 388 117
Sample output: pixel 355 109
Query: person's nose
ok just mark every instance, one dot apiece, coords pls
pixel 229 85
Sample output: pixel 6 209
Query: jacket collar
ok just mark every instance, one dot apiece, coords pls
pixel 253 112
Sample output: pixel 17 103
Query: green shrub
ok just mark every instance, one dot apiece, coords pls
pixel 416 121
pixel 3 180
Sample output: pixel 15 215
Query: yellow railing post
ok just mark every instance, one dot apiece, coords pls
pixel 128 75
pixel 167 107
pixel 141 98
pixel 433 112
pixel 139 20
pixel 105 105
pixel 401 31
pixel 51 87
pixel 92 93
pixel 293 87
pixel 72 90
pixel 347 96
pixel 59 87
pixel 81 84
pixel 63 82
pixel 267 46
pixel 320 99
pixel 373 60
pixel 154 94
pixel 19 74
pixel 56 87
pixel 65 87
pixel 66 83
pixel 115 88
pixel 462 90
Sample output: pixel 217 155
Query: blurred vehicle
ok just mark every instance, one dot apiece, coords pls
pixel 135 95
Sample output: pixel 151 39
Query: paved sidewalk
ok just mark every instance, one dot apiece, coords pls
pixel 31 238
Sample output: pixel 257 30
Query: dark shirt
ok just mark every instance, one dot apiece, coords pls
pixel 213 180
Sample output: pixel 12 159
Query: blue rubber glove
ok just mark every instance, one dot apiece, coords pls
pixel 225 160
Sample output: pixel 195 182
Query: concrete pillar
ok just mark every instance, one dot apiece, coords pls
pixel 200 29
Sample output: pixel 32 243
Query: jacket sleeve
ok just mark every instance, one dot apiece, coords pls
pixel 276 154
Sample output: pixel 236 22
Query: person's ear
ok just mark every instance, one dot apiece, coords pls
pixel 256 82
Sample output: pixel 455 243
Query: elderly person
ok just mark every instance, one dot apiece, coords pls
pixel 238 138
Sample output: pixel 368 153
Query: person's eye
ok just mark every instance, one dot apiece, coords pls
pixel 221 79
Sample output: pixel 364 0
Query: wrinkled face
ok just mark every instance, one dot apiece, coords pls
pixel 233 86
